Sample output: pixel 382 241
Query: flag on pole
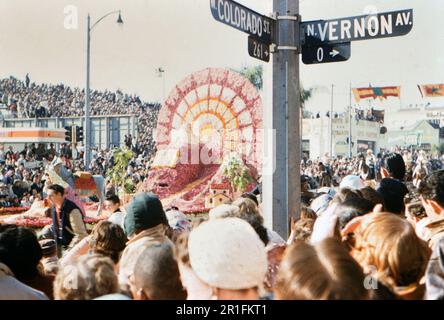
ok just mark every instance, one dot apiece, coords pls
pixel 376 93
pixel 431 90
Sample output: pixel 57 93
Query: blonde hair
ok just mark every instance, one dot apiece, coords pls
pixel 389 245
pixel 303 229
pixel 246 206
pixel 307 213
pixel 322 272
pixel 89 277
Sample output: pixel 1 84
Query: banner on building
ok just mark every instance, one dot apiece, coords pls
pixel 376 93
pixel 431 90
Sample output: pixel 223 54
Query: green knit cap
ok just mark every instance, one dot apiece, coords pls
pixel 145 211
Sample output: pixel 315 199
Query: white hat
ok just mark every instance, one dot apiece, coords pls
pixel 352 182
pixel 223 211
pixel 227 254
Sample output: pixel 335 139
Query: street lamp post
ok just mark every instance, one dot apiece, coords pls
pixel 87 131
pixel 331 140
pixel 87 135
pixel 350 124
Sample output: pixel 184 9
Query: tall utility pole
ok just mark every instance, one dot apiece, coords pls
pixel 87 144
pixel 281 190
pixel 331 121
pixel 281 178
pixel 87 132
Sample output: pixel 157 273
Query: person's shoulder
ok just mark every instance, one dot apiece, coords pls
pixel 13 289
pixel 74 210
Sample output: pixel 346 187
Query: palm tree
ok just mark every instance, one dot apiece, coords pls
pixel 254 75
pixel 306 95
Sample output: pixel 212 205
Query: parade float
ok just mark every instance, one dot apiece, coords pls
pixel 39 215
pixel 209 149
pixel 211 119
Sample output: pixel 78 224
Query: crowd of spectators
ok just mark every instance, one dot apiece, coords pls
pixel 359 114
pixel 328 172
pixel 371 227
pixel 357 241
pixel 23 173
pixel 367 115
pixel 26 99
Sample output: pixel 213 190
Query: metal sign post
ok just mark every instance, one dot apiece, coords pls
pixel 320 41
pixel 281 188
pixel 283 194
pixel 350 124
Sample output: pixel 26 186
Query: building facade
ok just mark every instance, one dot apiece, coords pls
pixel 325 136
pixel 106 131
pixel 414 126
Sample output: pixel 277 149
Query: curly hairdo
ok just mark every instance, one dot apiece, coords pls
pixel 109 239
pixel 89 277
pixel 432 187
pixel 390 244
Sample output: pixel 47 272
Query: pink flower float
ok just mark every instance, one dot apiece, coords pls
pixel 207 116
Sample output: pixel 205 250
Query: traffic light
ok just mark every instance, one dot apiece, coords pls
pixel 79 134
pixel 68 134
